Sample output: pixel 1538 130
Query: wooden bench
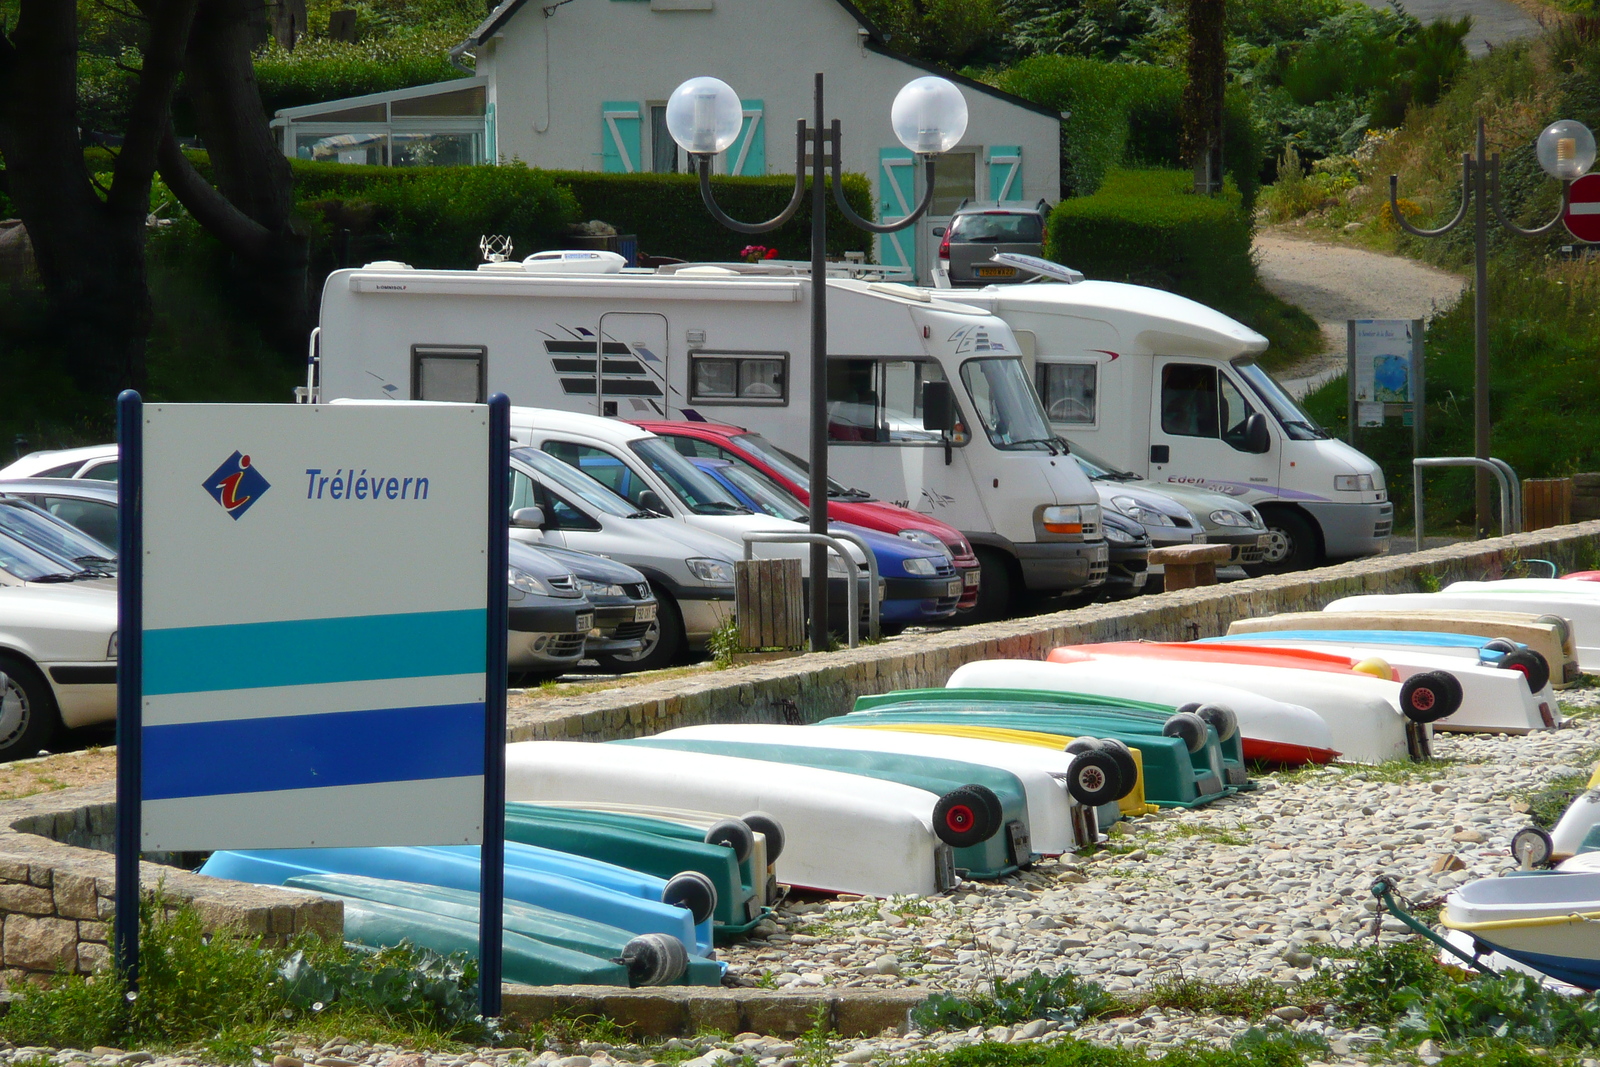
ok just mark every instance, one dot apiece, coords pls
pixel 1190 565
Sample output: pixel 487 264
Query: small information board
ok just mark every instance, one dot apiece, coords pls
pixel 313 627
pixel 1385 373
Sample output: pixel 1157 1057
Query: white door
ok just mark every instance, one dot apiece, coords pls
pixel 1197 431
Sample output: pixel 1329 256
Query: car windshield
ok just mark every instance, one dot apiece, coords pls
pixel 1002 226
pixel 1296 423
pixel 49 534
pixel 791 466
pixel 1099 469
pixel 699 491
pixel 576 482
pixel 29 564
pixel 767 494
pixel 1006 404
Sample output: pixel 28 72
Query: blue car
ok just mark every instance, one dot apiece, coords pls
pixel 921 583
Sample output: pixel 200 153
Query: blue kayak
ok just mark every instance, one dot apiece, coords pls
pixel 457 868
pixel 1417 638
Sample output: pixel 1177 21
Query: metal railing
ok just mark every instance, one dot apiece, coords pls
pixel 1510 489
pixel 834 543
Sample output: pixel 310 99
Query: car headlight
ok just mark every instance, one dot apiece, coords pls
pixel 1063 519
pixel 921 566
pixel 1224 517
pixel 922 537
pixel 588 588
pixel 111 647
pixel 1117 535
pixel 1145 516
pixel 1354 483
pixel 526 582
pixel 711 571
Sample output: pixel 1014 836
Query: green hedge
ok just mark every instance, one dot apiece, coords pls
pixel 319 70
pixel 1127 115
pixel 1148 226
pixel 667 214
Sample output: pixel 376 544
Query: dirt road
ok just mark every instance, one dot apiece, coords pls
pixel 1335 282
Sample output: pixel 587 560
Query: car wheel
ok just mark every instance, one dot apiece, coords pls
pixel 662 642
pixel 29 718
pixel 1291 544
pixel 995 588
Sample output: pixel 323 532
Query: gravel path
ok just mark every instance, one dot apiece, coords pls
pixel 1336 282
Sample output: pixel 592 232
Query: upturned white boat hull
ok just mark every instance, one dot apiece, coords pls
pixel 1581 610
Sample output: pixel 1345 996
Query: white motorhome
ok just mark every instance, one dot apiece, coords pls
pixel 1170 389
pixel 710 343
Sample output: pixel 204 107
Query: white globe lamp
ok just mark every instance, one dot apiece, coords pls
pixel 1566 150
pixel 929 115
pixel 704 115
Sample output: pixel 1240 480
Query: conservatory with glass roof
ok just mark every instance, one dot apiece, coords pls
pixel 439 125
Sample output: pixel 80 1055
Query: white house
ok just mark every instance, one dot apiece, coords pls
pixel 583 85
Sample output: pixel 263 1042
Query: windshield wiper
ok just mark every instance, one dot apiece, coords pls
pixel 93 559
pixel 642 514
pixel 720 508
pixel 60 576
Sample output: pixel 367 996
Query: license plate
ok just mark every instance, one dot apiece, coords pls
pixel 955 588
pixel 644 613
pixel 1261 542
pixel 997 272
pixel 585 623
pixel 971 578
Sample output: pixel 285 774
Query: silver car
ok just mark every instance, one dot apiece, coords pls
pixel 979 229
pixel 689 570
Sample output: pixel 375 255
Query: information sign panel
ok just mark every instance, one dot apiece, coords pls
pixel 1383 351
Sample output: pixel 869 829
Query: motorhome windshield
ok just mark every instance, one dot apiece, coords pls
pixel 1296 423
pixel 1006 404
pixel 791 466
pixel 577 483
pixel 699 492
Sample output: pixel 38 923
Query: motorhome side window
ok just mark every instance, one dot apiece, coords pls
pixel 1068 391
pixel 880 400
pixel 456 373
pixel 1198 402
pixel 739 377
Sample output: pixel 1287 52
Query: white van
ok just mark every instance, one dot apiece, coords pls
pixel 710 343
pixel 1170 389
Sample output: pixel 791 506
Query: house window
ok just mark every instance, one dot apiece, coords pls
pixel 954 180
pixel 444 124
pixel 456 373
pixel 663 149
pixel 739 378
pixel 1068 392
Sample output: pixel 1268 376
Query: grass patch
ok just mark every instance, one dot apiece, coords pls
pixel 1398 770
pixel 1546 806
pixel 1222 835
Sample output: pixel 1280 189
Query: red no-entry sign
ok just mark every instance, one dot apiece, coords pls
pixel 1583 208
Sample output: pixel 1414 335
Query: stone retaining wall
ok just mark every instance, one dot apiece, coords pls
pixel 812 687
pixel 57 887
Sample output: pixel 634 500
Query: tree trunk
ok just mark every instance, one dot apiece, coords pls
pixel 89 250
pixel 1206 63
pixel 250 210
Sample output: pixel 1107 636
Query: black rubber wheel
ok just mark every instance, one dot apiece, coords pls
pixel 29 718
pixel 1532 847
pixel 1127 766
pixel 735 833
pixel 663 643
pixel 1563 630
pixel 1501 644
pixel 964 817
pixel 1291 543
pixel 654 959
pixel 1430 696
pixel 997 586
pixel 768 827
pixel 693 891
pixel 1093 778
pixel 1190 727
pixel 1221 719
pixel 1533 666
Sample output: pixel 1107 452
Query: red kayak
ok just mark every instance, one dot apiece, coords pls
pixel 1256 655
pixel 1582 576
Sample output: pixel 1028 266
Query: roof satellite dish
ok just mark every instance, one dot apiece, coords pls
pixel 1043 267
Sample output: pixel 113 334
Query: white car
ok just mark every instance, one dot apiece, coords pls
pixel 58 650
pixel 95 462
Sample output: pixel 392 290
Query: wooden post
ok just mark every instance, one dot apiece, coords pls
pixel 1546 502
pixel 769 605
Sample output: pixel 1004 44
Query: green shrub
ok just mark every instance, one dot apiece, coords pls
pixel 319 69
pixel 1064 998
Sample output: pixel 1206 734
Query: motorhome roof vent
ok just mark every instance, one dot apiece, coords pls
pixel 574 261
pixel 703 271
pixel 388 264
pixel 904 292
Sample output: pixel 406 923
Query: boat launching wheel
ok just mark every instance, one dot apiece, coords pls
pixel 1532 848
pixel 964 817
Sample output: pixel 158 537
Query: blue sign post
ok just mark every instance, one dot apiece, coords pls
pixel 313 631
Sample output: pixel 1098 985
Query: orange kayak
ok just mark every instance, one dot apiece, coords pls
pixel 1221 652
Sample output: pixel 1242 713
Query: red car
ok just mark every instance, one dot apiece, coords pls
pixel 719 441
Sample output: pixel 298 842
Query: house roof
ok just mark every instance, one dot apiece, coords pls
pixel 877 41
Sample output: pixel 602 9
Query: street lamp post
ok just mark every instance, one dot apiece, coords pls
pixel 929 116
pixel 1566 151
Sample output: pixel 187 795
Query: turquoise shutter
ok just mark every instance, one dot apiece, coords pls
pixel 490 136
pixel 1005 172
pixel 897 195
pixel 619 137
pixel 747 156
